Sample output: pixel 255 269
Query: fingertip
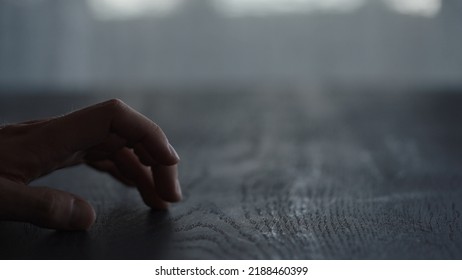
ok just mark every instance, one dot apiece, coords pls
pixel 173 194
pixel 178 192
pixel 82 215
pixel 165 157
pixel 173 153
pixel 157 204
pixel 166 182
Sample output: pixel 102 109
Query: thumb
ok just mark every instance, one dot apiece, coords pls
pixel 45 207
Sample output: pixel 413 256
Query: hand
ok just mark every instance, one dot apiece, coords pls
pixel 109 136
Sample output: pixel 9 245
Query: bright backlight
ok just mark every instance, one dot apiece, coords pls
pixel 427 8
pixel 122 9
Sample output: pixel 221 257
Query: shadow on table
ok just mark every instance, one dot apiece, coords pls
pixel 119 234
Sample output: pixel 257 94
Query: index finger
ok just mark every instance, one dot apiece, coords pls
pixel 85 128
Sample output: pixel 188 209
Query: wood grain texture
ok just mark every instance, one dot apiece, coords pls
pixel 273 174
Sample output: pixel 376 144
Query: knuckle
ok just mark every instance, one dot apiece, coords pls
pixel 156 127
pixel 116 103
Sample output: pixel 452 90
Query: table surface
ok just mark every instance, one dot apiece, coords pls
pixel 272 174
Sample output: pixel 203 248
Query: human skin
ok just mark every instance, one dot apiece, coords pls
pixel 108 136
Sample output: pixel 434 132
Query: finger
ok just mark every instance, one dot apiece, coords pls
pixel 129 164
pixel 142 154
pixel 29 122
pixel 88 127
pixel 109 167
pixel 165 177
pixel 45 207
pixel 36 121
pixel 106 148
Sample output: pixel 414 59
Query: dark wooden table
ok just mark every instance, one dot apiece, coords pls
pixel 272 174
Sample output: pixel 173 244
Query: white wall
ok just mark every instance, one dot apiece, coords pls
pixel 59 43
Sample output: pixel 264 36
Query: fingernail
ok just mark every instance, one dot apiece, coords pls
pixel 173 152
pixel 82 215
